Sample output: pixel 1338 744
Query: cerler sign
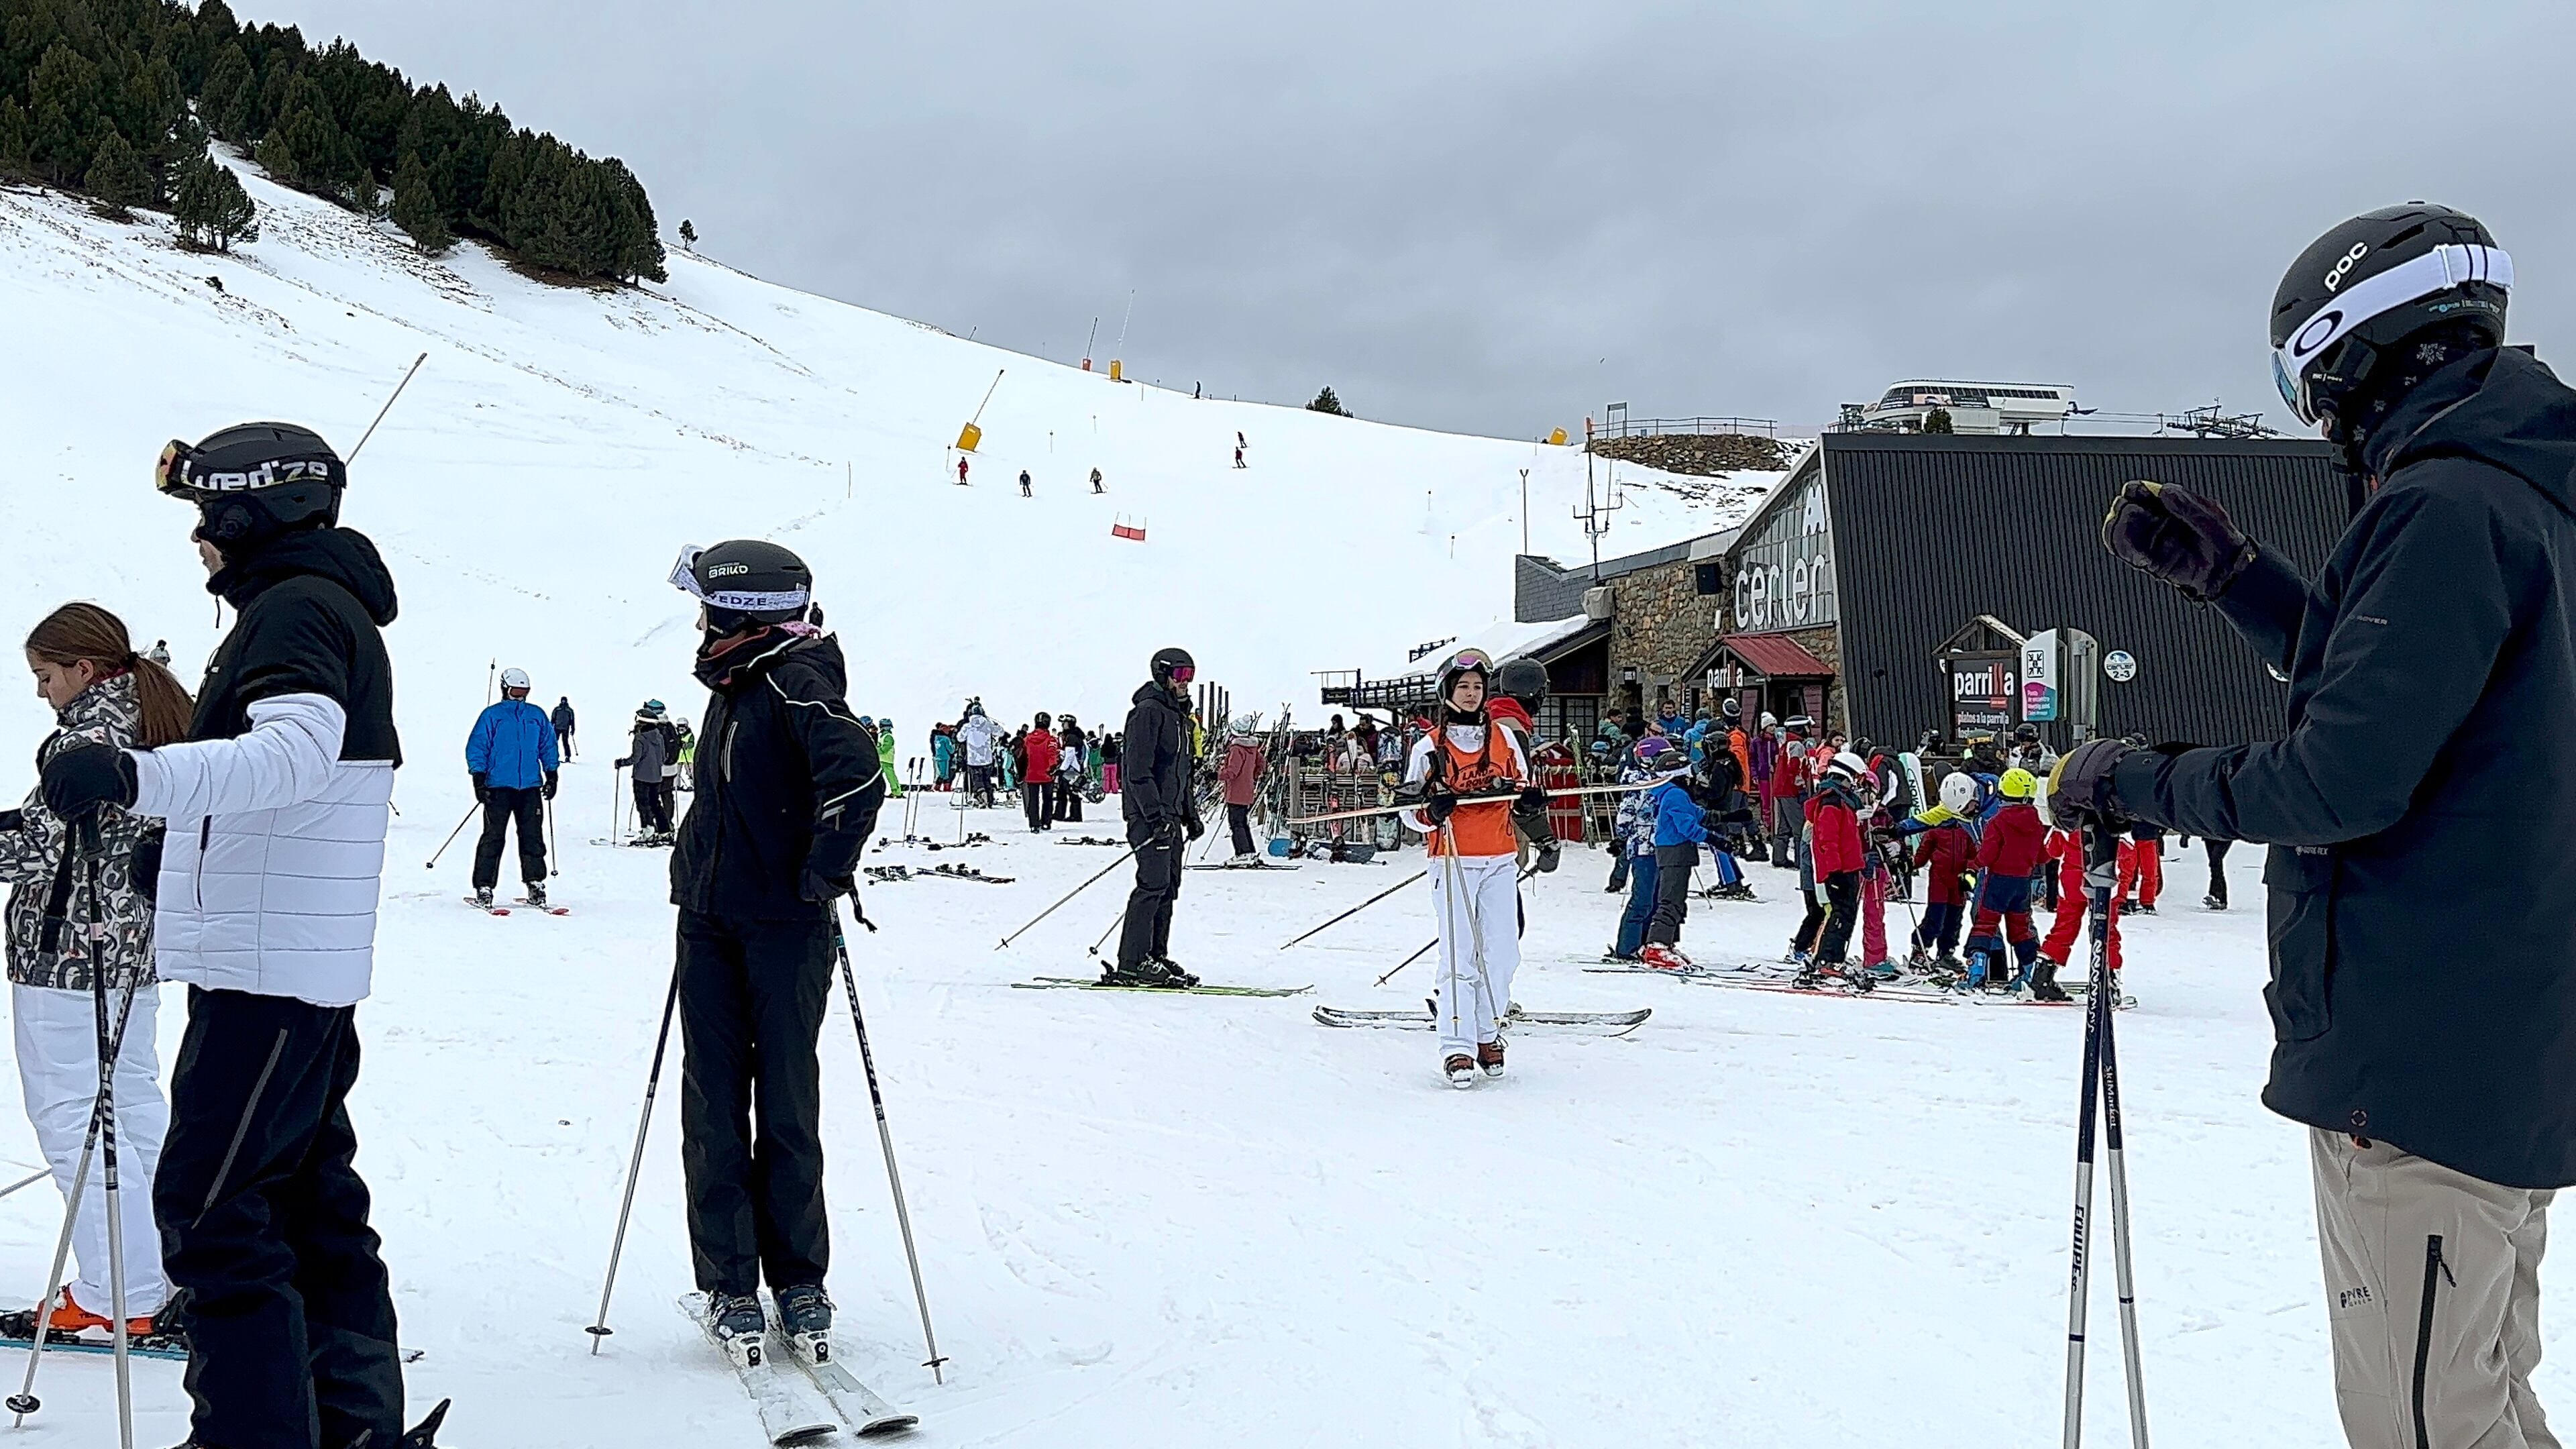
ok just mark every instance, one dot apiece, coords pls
pixel 1784 577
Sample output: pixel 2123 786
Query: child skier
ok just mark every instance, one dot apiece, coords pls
pixel 1467 773
pixel 1680 829
pixel 2010 850
pixel 2073 903
pixel 1833 819
pixel 1633 838
pixel 1946 857
pixel 102 693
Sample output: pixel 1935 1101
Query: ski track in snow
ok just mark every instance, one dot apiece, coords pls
pixel 1759 1220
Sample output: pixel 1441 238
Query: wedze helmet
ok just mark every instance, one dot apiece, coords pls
pixel 253 481
pixel 2369 284
pixel 745 580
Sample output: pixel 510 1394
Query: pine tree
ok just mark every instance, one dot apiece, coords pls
pixel 116 175
pixel 688 235
pixel 1937 420
pixel 16 139
pixel 416 208
pixel 227 86
pixel 1325 402
pixel 276 157
pixel 211 208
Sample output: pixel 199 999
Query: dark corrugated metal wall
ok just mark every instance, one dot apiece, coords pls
pixel 1930 532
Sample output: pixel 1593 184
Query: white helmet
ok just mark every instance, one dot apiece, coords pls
pixel 1959 791
pixel 1850 766
pixel 514 679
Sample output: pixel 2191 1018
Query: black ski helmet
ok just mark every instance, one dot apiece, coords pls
pixel 1524 679
pixel 745 580
pixel 1167 665
pixel 2369 285
pixel 253 481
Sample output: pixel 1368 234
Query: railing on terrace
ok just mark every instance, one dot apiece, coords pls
pixel 1656 427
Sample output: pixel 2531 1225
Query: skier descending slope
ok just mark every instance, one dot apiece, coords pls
pixel 2433 1084
pixel 276 809
pixel 562 720
pixel 1162 818
pixel 786 794
pixel 511 756
pixel 1475 880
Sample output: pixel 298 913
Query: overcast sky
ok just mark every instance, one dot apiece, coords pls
pixel 1498 216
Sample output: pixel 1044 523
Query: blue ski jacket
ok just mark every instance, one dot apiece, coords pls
pixel 1677 816
pixel 512 746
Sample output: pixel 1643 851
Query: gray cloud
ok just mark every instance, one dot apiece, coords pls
pixel 1494 217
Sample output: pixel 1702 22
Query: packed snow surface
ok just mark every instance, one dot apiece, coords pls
pixel 1760 1220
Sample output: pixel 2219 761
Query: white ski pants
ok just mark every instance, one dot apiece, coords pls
pixel 1476 899
pixel 2433 1296
pixel 57 1037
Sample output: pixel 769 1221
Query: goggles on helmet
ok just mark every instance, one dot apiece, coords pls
pixel 684 577
pixel 1182 673
pixel 2418 277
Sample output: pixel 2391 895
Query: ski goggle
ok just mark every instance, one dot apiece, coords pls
pixel 684 577
pixel 1182 673
pixel 2419 277
pixel 1466 659
pixel 182 473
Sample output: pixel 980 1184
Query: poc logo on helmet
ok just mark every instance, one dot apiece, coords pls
pixel 726 571
pixel 2335 278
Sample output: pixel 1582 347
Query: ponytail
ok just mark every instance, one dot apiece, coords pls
pixel 85 633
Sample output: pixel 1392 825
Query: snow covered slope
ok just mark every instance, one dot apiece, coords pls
pixel 561 444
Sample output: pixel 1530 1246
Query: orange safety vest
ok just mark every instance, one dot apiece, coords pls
pixel 1483 828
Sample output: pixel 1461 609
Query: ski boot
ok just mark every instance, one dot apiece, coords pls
pixel 1173 975
pixel 1244 860
pixel 2043 982
pixel 1882 970
pixel 536 895
pixel 805 1320
pixel 483 897
pixel 1460 1068
pixel 741 1327
pixel 2213 903
pixel 1663 958
pixel 1489 1057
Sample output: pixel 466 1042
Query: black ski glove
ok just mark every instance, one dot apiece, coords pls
pixel 1534 799
pixel 482 789
pixel 1438 806
pixel 820 886
pixel 80 779
pixel 1195 826
pixel 2178 536
pixel 621 764
pixel 2079 789
pixel 550 784
pixel 1549 855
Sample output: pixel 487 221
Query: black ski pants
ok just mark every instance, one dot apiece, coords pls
pixel 565 737
pixel 1673 867
pixel 1238 819
pixel 752 997
pixel 1842 908
pixel 263 1224
pixel 652 809
pixel 503 804
pixel 2216 850
pixel 1068 798
pixel 1037 802
pixel 1147 931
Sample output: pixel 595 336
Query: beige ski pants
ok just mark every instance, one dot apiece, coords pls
pixel 2433 1294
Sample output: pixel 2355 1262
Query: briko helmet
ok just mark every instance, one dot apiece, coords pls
pixel 2017 784
pixel 1959 791
pixel 515 678
pixel 744 581
pixel 1173 666
pixel 1523 679
pixel 253 481
pixel 2348 318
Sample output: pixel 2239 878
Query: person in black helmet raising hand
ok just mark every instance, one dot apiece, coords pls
pixel 1154 768
pixel 786 792
pixel 2430 1066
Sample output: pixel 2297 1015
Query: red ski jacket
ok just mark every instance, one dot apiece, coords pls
pixel 1950 853
pixel 1042 752
pixel 1241 772
pixel 2014 840
pixel 1837 838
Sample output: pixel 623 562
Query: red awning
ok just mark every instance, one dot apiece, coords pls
pixel 1776 656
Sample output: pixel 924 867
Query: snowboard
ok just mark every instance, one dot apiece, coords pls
pixel 1083 983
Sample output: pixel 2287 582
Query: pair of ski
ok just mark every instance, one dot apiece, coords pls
pixel 1086 983
pixel 1229 865
pixel 1589 1023
pixel 800 1399
pixel 1783 980
pixel 498 909
pixel 18 1330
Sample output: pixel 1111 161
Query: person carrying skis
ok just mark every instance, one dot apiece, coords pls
pixel 2428 1063
pixel 771 843
pixel 1040 752
pixel 563 721
pixel 648 750
pixel 102 694
pixel 2007 852
pixel 1469 776
pixel 275 810
pixel 1162 814
pixel 510 756
pixel 1240 778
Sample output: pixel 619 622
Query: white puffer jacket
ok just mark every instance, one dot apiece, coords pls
pixel 275 853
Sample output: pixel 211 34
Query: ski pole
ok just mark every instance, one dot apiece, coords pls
pixel 2106 991
pixel 2100 873
pixel 29 1180
pixel 388 407
pixel 110 1045
pixel 1409 960
pixel 1364 905
pixel 1069 895
pixel 885 1138
pixel 554 850
pixel 635 1163
pixel 451 835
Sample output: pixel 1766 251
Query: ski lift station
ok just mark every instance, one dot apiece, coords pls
pixel 1974 407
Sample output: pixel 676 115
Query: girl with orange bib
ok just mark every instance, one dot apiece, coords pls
pixel 1468 771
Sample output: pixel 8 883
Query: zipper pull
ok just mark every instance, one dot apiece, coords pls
pixel 2443 1263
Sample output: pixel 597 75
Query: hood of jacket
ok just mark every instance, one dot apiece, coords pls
pixel 1151 692
pixel 758 653
pixel 343 555
pixel 107 703
pixel 2504 408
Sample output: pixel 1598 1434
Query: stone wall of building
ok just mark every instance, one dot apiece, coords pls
pixel 1661 624
pixel 1700 454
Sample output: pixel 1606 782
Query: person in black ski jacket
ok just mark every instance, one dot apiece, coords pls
pixel 1154 770
pixel 787 787
pixel 276 808
pixel 2423 899
pixel 563 721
